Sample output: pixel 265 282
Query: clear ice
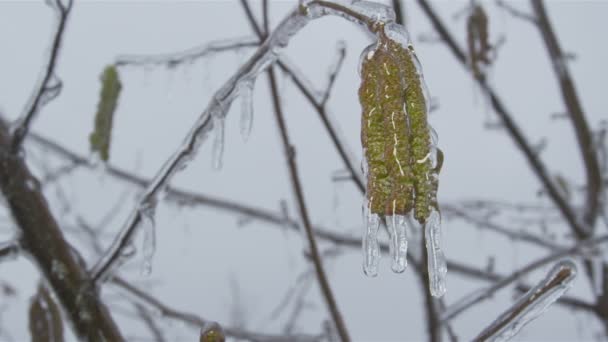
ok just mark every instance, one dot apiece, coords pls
pixel 397 225
pixel 371 249
pixel 533 304
pixel 218 142
pixel 437 266
pixel 148 226
pixel 246 94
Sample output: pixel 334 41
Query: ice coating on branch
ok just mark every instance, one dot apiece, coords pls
pixel 246 94
pixel 371 248
pixel 398 34
pixel 437 266
pixel 217 153
pixel 397 226
pixel 147 212
pixel 533 304
pixel 597 266
pixel 358 9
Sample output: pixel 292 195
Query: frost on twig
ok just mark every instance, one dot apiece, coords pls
pixel 533 304
pixel 368 14
pixel 402 161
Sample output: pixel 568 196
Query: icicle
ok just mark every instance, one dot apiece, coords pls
pixel 397 226
pixel 246 93
pixel 597 264
pixel 218 142
pixel 147 212
pixel 371 249
pixel 437 266
pixel 533 304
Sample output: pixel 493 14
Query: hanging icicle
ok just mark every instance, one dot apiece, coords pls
pixel 402 160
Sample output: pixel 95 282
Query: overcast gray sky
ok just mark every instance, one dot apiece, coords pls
pixel 202 252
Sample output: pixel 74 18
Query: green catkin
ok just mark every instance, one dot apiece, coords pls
pixel 395 134
pixel 373 137
pixel 110 91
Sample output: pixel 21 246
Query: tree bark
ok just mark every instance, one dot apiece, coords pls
pixel 41 238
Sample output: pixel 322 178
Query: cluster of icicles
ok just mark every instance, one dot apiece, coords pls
pixel 402 161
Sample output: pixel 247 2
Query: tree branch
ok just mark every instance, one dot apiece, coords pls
pixel 41 237
pixel 289 150
pixel 575 110
pixel 198 322
pixel 477 296
pixel 44 92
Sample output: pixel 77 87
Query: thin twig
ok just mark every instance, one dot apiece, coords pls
pixel 44 88
pixel 187 56
pixel 575 110
pixel 507 119
pixel 516 12
pixel 150 323
pixel 296 184
pixel 309 94
pixel 432 316
pixel 199 322
pixel 333 72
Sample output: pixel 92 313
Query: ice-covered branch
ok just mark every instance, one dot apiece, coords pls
pixel 49 86
pixel 368 15
pixel 188 56
pixel 532 304
pixel 478 296
pixel 199 322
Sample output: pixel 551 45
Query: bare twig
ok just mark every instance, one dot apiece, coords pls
pixel 198 322
pixel 150 323
pixel 538 167
pixel 187 56
pixel 309 94
pixel 333 72
pixel 289 150
pixel 516 12
pixel 575 110
pixel 44 91
pixel 432 316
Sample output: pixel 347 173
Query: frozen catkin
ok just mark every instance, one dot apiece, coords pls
pixel 102 132
pixel 477 40
pixel 402 161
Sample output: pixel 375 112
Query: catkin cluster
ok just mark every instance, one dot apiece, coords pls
pixel 395 134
